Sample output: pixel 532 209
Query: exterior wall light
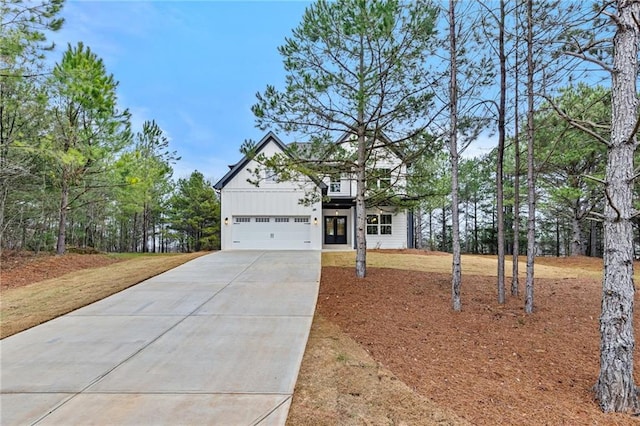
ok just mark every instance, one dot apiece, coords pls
pixel 315 220
pixel 226 220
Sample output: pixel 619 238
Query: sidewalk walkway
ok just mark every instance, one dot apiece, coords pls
pixel 218 340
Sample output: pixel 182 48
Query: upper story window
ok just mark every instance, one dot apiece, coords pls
pixel 270 175
pixel 379 179
pixel 384 178
pixel 335 183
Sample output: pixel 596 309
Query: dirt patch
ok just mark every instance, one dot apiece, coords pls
pixel 489 364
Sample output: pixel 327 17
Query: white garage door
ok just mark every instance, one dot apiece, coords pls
pixel 268 232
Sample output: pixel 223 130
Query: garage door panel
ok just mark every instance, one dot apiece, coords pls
pixel 258 232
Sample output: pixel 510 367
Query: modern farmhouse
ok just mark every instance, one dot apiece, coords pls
pixel 269 214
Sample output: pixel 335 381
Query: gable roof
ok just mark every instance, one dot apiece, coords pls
pixel 240 165
pixel 388 145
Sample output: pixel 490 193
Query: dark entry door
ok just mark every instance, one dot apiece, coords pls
pixel 335 230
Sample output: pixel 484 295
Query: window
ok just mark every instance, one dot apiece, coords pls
pixel 270 175
pixel 372 224
pixel 242 220
pixel 262 219
pixel 379 224
pixel 282 219
pixel 384 178
pixel 335 183
pixel 385 224
pixel 301 219
pixel 379 179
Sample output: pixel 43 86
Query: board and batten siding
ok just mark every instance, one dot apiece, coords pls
pixel 241 198
pixel 265 203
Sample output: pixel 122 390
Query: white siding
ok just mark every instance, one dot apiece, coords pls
pixel 270 199
pixel 382 158
pixel 347 190
pixel 398 237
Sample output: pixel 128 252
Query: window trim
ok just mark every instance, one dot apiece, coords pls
pixel 384 178
pixel 335 183
pixel 380 224
pixel 373 222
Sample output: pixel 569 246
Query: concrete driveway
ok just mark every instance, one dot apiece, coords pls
pixel 218 340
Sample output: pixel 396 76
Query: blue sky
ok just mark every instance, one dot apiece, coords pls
pixel 193 66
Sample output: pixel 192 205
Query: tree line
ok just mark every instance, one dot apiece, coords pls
pixel 569 165
pixel 73 173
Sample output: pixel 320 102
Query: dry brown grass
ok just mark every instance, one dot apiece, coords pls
pixel 546 267
pixel 27 306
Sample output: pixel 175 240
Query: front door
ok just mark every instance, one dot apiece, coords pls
pixel 335 230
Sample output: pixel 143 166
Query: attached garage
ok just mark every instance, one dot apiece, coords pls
pixel 271 232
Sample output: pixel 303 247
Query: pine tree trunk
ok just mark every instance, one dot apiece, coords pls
pixel 531 189
pixel 615 388
pixel 593 240
pixel 62 218
pixel 361 177
pixel 418 228
pixel 557 237
pixel 500 160
pixel 456 271
pixel 443 246
pixel 361 213
pixel 515 285
pixel 577 246
pixel 134 234
pixel 476 237
pixel 145 228
pixel 153 237
pixel 431 241
pixel 467 240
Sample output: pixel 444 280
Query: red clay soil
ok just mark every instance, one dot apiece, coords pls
pixel 490 364
pixel 22 268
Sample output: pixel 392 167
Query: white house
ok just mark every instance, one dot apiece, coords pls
pixel 271 216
